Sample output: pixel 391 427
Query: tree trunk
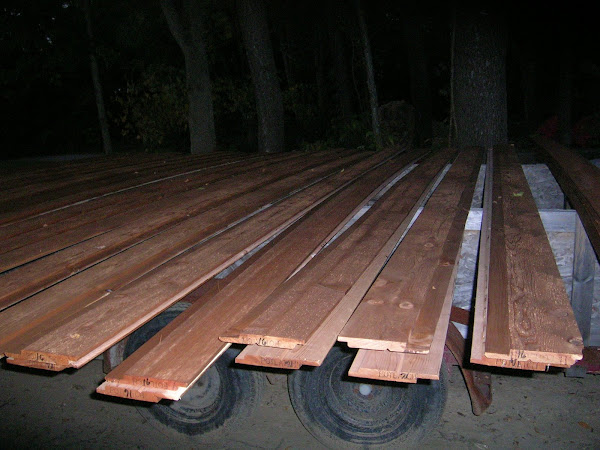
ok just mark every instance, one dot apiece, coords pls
pixel 103 122
pixel 252 16
pixel 480 79
pixel 420 92
pixel 366 47
pixel 185 20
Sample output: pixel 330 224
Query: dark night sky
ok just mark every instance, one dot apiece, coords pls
pixel 48 103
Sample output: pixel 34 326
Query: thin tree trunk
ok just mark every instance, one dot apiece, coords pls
pixel 186 24
pixel 252 16
pixel 480 79
pixel 103 122
pixel 373 103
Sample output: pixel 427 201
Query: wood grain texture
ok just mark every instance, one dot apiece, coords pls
pixel 19 209
pixel 48 226
pixel 187 346
pixel 527 300
pixel 580 181
pixel 401 309
pixel 147 220
pixel 65 299
pixel 409 367
pixel 96 325
pixel 126 197
pixel 295 310
pixel 319 344
pixel 187 226
pixel 478 341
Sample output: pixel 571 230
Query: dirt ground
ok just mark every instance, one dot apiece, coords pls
pixel 61 411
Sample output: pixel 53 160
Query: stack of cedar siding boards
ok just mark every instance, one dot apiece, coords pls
pixel 93 250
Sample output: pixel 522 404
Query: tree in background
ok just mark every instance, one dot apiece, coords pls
pixel 106 142
pixel 480 78
pixel 368 59
pixel 252 18
pixel 185 19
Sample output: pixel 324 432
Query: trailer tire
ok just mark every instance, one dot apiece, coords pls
pixel 338 413
pixel 222 395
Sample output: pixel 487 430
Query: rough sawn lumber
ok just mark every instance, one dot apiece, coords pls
pixel 94 326
pixel 194 220
pixel 401 310
pixel 529 317
pixel 313 352
pixel 290 315
pixel 186 347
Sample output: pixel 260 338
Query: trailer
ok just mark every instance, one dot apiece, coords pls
pixel 184 271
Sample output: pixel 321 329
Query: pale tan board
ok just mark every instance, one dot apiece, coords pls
pixel 37 315
pixel 290 315
pixel 208 218
pixel 185 348
pixel 401 310
pixel 408 367
pixel 529 317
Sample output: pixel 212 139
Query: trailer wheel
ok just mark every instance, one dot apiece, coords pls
pixel 222 395
pixel 340 411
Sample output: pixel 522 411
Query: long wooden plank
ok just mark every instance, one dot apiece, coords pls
pixel 527 300
pixel 295 310
pixel 112 200
pixel 156 218
pixel 120 208
pixel 93 284
pixel 33 173
pixel 190 344
pixel 477 355
pixel 580 181
pixel 19 209
pixel 408 367
pixel 401 310
pixel 97 325
pixel 320 343
pixel 61 183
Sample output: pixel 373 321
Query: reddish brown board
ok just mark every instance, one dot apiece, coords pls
pixel 529 317
pixel 96 325
pixel 401 310
pixel 295 310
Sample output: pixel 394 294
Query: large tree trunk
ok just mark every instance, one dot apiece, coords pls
pixel 103 122
pixel 373 102
pixel 420 92
pixel 267 92
pixel 185 20
pixel 480 79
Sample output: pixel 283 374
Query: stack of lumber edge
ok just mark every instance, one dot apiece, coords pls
pixel 348 246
